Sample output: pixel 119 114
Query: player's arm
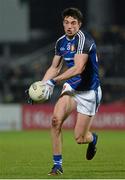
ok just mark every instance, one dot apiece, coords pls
pixel 54 69
pixel 80 61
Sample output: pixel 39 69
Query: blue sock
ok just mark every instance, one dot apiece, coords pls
pixel 57 159
pixel 94 138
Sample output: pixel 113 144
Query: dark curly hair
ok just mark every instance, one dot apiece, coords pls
pixel 73 12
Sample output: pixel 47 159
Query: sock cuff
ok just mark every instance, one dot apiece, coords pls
pixel 94 138
pixel 57 157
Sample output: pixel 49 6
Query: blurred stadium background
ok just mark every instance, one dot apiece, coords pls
pixel 29 29
pixel 28 32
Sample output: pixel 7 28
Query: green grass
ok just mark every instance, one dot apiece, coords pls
pixel 28 155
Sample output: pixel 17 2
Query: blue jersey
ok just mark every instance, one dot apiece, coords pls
pixel 81 43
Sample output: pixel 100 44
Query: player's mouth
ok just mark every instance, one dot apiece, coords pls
pixel 69 32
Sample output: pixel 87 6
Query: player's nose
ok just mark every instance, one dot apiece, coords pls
pixel 69 26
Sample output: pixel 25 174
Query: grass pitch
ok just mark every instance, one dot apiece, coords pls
pixel 28 155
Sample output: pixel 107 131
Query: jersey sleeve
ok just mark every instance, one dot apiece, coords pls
pixel 57 48
pixel 84 44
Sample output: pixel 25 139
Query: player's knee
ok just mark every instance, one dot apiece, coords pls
pixel 80 140
pixel 56 123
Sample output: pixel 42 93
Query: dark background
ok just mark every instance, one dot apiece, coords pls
pixel 47 14
pixel 25 61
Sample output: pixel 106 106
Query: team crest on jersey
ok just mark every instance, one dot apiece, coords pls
pixel 72 48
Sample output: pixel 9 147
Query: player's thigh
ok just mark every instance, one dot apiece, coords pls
pixel 83 124
pixel 64 106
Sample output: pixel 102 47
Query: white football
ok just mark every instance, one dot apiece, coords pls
pixel 36 91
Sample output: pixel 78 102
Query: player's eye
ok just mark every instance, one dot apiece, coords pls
pixel 74 23
pixel 66 22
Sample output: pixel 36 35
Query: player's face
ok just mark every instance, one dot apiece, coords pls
pixel 71 26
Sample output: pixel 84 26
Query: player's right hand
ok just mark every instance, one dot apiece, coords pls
pixel 49 87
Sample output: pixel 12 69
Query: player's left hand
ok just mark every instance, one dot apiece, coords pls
pixel 50 84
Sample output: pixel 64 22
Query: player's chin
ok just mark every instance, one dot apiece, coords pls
pixel 70 35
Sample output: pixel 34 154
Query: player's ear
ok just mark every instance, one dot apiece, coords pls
pixel 63 23
pixel 80 24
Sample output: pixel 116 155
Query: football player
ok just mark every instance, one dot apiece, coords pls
pixel 81 89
